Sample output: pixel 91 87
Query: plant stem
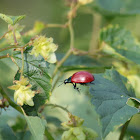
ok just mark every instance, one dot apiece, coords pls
pixel 54 85
pixel 59 64
pixel 54 105
pixel 4 56
pixel 10 47
pixel 123 131
pixel 7 48
pixel 69 52
pixel 14 61
pixel 71 33
pixel 22 68
pixel 15 106
pixel 56 25
pixel 4 34
pixel 95 33
pixel 14 35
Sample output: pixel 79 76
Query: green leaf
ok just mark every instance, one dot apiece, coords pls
pixel 36 126
pixel 19 125
pixel 117 40
pixel 78 60
pixel 36 69
pixel 118 7
pixel 6 133
pixel 82 63
pixel 24 135
pixel 110 97
pixel 11 19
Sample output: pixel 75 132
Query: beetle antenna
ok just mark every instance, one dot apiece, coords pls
pixel 60 81
pixel 61 84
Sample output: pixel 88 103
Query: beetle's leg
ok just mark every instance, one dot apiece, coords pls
pixel 74 85
pixel 78 90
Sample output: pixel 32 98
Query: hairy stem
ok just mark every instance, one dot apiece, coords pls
pixel 123 131
pixel 71 33
pixel 54 105
pixel 15 106
pixel 7 48
pixel 69 52
pixel 14 35
pixel 54 85
pixel 22 68
pixel 4 34
pixel 4 56
pixel 14 61
pixel 59 64
pixel 95 33
pixel 56 25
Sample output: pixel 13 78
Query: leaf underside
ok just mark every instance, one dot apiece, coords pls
pixel 110 96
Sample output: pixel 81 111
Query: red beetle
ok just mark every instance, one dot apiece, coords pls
pixel 81 77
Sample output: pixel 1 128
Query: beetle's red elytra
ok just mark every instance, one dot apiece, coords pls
pixel 81 77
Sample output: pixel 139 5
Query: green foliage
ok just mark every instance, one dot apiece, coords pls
pixel 80 63
pixel 118 7
pixel 110 97
pixel 11 19
pixel 83 49
pixel 6 133
pixel 36 126
pixel 36 69
pixel 19 124
pixel 78 60
pixel 121 41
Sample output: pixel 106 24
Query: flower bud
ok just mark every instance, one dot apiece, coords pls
pixel 73 122
pixel 67 134
pixel 76 130
pixel 90 133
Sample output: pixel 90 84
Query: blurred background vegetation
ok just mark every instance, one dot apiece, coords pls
pixel 122 12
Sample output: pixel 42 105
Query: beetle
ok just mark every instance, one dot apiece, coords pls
pixel 81 77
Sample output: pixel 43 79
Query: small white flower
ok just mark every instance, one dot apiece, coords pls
pixel 23 94
pixel 45 47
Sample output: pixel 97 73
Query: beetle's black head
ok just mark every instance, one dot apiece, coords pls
pixel 67 80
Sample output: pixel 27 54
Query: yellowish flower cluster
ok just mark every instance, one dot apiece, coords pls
pixel 45 47
pixel 83 2
pixel 23 94
pixel 77 131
